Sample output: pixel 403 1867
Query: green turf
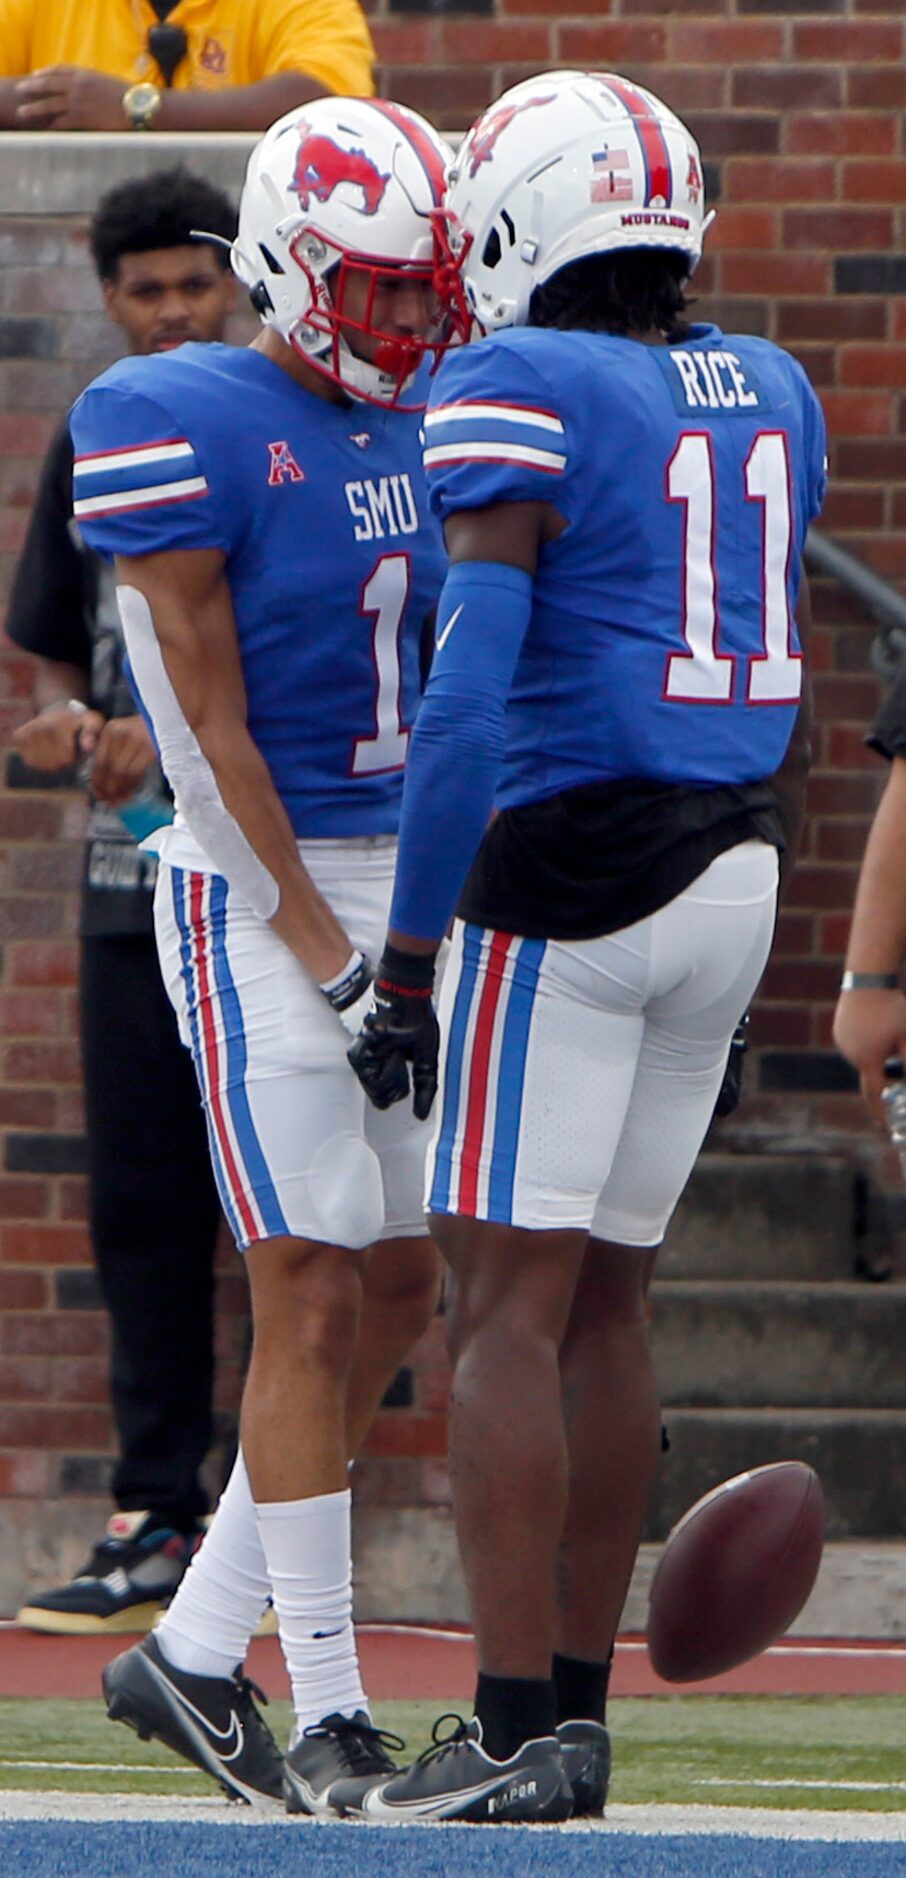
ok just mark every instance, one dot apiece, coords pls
pixel 684 1749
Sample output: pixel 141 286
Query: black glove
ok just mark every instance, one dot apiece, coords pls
pixel 401 1030
pixel 730 1089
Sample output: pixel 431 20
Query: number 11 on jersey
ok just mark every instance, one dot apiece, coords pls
pixel 703 674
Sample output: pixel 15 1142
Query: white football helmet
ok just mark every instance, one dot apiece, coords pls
pixel 565 165
pixel 340 184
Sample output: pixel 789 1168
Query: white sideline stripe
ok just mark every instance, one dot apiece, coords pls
pixel 818 1786
pixel 833 1651
pixel 103 1767
pixel 135 498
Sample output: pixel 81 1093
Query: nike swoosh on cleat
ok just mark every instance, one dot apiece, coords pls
pixel 442 637
pixel 374 1807
pixel 227 1743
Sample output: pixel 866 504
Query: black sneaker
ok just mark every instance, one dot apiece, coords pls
pixel 124 1586
pixel 209 1720
pixel 585 1746
pixel 341 1747
pixel 456 1779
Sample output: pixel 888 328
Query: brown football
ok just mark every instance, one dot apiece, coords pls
pixel 736 1571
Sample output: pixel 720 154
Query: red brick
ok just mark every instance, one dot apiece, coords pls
pixel 51 1333
pixel 23 434
pixel 848 40
pixel 42 1063
pixel 751 228
pixel 853 508
pixel 402 40
pixel 84 1429
pixel 692 88
pixel 840 230
pixel 56 867
pixel 841 841
pixel 727 42
pixel 777 179
pixel 404 1433
pixel 25 1476
pixel 788 88
pixel 886 554
pixel 899 320
pixel 450 99
pixel 45 1245
pixel 846 747
pixel 818 362
pixel 26 1108
pixel 73 1199
pixel 858 414
pixel 71 1111
pixel 874 365
pixel 24 1378
pixel 833 932
pixel 24 1198
pixel 29 818
pixel 795 934
pixel 831 319
pixel 552 9
pixel 22 1291
pixel 780 274
pixel 30 1013
pixel 611 44
pixel 54 963
pixel 878 180
pixel 820 134
pixel 875 459
pixel 636 8
pixel 876 87
pixel 722 132
pixel 821 887
pixel 81 1379
pixel 785 1026
pixel 490 42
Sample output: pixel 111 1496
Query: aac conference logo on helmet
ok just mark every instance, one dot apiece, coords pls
pixel 322 164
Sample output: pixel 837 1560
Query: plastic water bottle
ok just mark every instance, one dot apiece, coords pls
pixel 145 811
pixel 893 1096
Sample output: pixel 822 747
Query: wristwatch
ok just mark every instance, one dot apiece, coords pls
pixel 141 104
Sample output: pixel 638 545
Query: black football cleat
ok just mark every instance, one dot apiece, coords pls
pixel 456 1779
pixel 209 1720
pixel 341 1747
pixel 585 1746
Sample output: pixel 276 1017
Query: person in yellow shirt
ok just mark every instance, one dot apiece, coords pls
pixel 176 64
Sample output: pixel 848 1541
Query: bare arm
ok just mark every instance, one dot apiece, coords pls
pixel 192 614
pixel 870 1025
pixel 72 97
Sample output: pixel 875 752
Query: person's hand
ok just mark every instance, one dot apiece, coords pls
pixel 70 97
pixel 121 751
pixel 400 1037
pixel 869 1027
pixel 53 740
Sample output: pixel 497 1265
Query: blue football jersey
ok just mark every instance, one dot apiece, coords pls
pixel 333 562
pixel 662 641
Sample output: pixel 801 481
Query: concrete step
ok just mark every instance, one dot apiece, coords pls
pixel 858 1455
pixel 754 1345
pixel 769 1216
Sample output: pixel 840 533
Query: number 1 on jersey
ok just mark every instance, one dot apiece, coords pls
pixel 702 674
pixel 385 594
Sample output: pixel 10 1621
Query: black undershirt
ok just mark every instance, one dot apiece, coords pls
pixel 598 858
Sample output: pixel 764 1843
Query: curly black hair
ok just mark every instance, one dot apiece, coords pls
pixel 632 290
pixel 158 211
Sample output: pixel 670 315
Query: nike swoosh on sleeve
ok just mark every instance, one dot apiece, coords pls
pixel 442 637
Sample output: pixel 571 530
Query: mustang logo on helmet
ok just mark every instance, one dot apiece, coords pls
pixel 493 126
pixel 322 164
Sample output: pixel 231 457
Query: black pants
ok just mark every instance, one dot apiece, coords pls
pixel 154 1220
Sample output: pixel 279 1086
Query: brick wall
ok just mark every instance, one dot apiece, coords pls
pixel 799 111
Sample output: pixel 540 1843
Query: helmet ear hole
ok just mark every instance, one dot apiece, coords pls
pixel 260 298
pixel 492 252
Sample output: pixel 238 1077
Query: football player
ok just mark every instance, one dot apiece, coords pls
pixel 275 566
pixel 619 671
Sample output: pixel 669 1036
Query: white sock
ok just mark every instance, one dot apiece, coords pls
pixel 206 1629
pixel 307 1546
